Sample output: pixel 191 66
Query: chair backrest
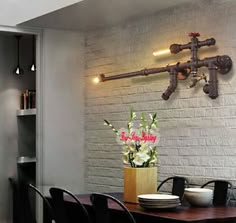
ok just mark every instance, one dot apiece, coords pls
pixel 60 208
pixel 178 185
pixel 221 195
pixel 47 206
pixel 101 208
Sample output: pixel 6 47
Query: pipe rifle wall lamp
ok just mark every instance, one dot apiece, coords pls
pixel 180 71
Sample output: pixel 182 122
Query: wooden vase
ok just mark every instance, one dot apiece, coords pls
pixel 139 181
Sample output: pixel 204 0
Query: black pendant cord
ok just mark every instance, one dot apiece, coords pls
pixel 18 70
pixel 33 50
pixel 18 50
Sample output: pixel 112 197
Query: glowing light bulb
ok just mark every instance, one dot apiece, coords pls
pixel 160 52
pixel 96 80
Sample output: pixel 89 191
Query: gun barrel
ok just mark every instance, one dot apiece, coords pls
pixel 178 67
pixel 221 64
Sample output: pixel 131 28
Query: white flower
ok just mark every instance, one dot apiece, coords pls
pixel 128 148
pixel 141 157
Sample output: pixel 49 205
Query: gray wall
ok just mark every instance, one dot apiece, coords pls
pixel 11 87
pixel 63 109
pixel 197 133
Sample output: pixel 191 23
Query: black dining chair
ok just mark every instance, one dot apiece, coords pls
pixel 47 208
pixel 100 205
pixel 23 206
pixel 178 185
pixel 221 191
pixel 61 212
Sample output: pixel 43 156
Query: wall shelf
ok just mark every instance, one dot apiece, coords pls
pixel 25 159
pixel 24 112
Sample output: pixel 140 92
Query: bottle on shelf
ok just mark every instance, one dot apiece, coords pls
pixel 28 99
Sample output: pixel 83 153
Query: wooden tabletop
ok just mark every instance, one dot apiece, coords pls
pixel 180 214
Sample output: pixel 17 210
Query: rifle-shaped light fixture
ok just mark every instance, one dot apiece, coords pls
pixel 181 71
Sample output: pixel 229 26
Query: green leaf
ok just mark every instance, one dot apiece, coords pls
pixel 153 123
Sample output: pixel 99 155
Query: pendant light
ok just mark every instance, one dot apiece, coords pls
pixel 18 70
pixel 33 65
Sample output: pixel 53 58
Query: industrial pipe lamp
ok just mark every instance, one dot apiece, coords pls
pixel 181 71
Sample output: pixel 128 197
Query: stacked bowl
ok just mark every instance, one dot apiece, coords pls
pixel 199 196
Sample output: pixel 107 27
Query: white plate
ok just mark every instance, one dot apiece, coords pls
pixel 159 203
pixel 158 197
pixel 159 206
pixel 159 200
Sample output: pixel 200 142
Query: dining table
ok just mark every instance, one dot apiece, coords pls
pixel 183 213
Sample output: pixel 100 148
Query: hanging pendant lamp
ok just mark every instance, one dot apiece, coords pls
pixel 33 65
pixel 18 70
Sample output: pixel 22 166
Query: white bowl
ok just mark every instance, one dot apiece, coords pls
pixel 199 196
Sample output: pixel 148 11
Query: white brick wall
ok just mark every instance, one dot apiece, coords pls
pixel 197 133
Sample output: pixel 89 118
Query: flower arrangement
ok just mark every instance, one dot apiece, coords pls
pixel 139 141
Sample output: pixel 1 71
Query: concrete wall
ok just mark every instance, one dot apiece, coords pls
pixel 197 133
pixel 63 109
pixel 11 87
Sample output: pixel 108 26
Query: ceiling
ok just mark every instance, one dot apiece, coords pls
pixel 14 12
pixel 94 14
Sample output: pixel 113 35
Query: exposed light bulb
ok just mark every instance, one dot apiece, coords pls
pixel 96 80
pixel 160 52
pixel 17 70
pixel 33 67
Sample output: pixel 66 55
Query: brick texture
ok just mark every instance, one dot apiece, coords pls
pixel 197 133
